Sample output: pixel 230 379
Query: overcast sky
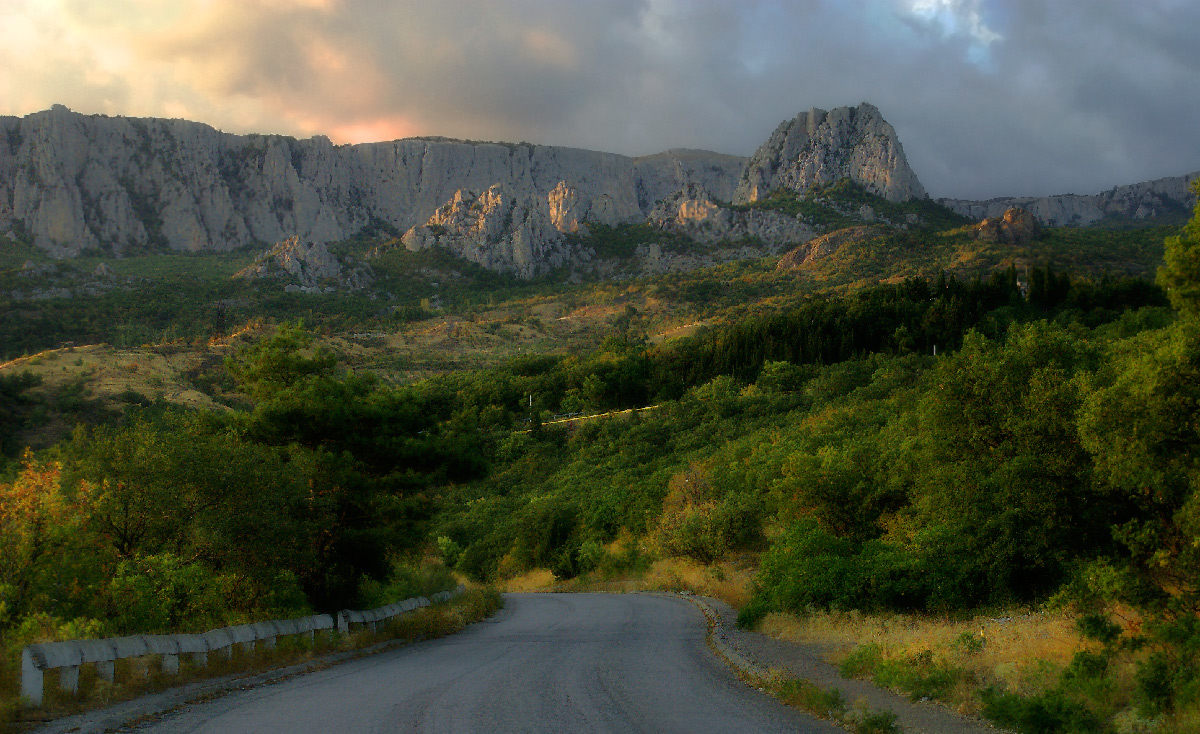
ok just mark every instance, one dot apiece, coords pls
pixel 990 97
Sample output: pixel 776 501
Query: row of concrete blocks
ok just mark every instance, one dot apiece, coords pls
pixel 69 655
pixel 373 617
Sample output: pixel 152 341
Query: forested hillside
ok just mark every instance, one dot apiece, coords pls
pixel 931 444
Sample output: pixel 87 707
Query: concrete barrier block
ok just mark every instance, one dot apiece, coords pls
pixel 31 679
pixel 189 643
pixel 106 670
pixel 94 651
pixel 132 646
pixel 68 678
pixel 243 633
pixel 48 655
pixel 218 639
pixel 170 664
pixel 159 645
pixel 287 627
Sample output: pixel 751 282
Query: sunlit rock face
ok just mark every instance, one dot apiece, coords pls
pixel 77 182
pixel 820 147
pixel 821 247
pixel 502 229
pixel 692 212
pixel 1140 201
pixel 308 267
pixel 1015 227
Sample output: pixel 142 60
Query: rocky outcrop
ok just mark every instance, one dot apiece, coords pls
pixel 308 267
pixel 693 212
pixel 77 182
pixel 825 245
pixel 1147 200
pixel 1015 227
pixel 503 230
pixel 818 148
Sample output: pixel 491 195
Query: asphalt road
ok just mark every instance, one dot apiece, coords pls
pixel 546 663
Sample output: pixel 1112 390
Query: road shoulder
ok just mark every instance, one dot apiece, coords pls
pixel 757 655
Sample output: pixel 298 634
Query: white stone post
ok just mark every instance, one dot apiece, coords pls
pixel 106 670
pixel 68 678
pixel 31 680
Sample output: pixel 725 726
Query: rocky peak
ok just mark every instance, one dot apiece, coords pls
pixel 308 266
pixel 1015 227
pixel 502 229
pixel 819 147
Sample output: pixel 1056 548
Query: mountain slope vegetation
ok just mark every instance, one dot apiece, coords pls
pixel 967 427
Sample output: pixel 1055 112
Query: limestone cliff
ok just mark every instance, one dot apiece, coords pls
pixel 76 182
pixel 1146 200
pixel 664 174
pixel 818 148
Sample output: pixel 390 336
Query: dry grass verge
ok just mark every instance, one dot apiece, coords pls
pixel 728 580
pixel 1021 652
pixel 1019 649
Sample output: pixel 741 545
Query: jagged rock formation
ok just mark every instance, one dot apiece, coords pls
pixel 503 230
pixel 1164 196
pixel 76 182
pixel 818 148
pixel 692 212
pixel 825 245
pixel 1015 227
pixel 308 267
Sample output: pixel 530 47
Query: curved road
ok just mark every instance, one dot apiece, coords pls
pixel 546 663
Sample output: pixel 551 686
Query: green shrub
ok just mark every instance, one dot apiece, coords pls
pixel 876 722
pixel 817 701
pixel 1053 712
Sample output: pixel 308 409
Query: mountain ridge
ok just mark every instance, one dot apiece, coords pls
pixel 71 183
pixel 76 182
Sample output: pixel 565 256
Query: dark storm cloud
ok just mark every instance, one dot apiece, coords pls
pixel 990 97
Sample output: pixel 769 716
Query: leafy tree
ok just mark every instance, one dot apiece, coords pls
pixel 15 405
pixel 43 533
pixel 1180 273
pixel 279 363
pixel 1143 431
pixel 1001 469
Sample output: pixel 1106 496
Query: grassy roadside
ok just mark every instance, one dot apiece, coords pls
pixel 1024 669
pixel 136 677
pixel 948 660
